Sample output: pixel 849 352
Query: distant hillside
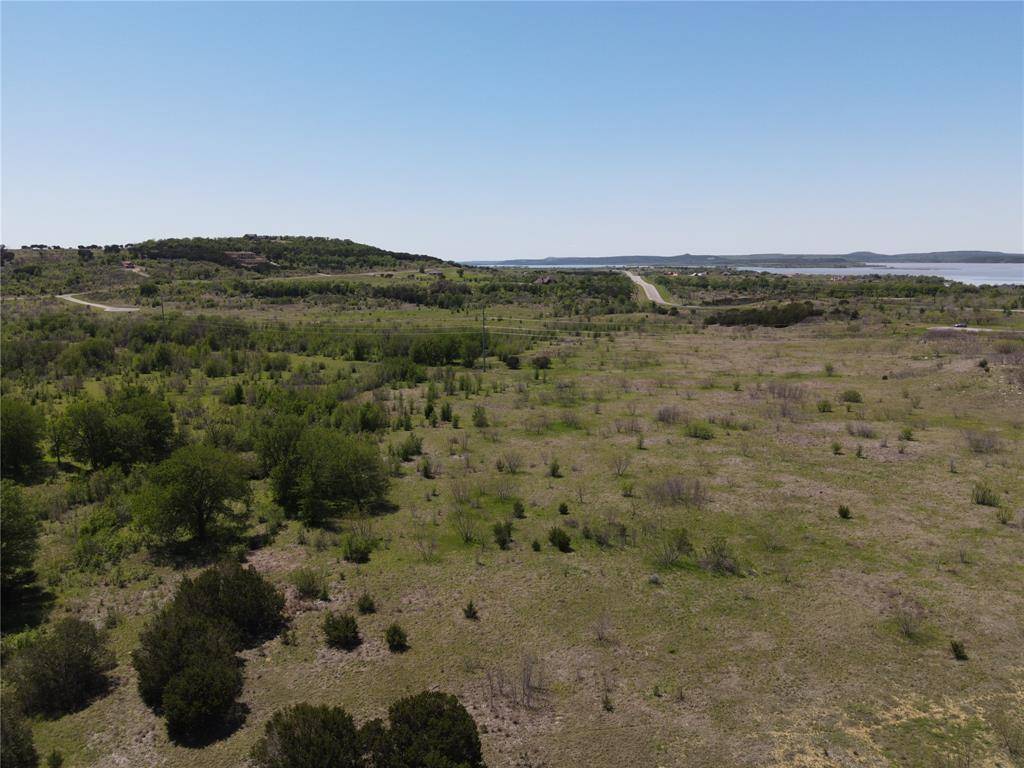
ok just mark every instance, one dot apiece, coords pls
pixel 858 258
pixel 288 251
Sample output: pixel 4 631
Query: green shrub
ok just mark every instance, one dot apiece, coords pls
pixel 432 729
pixel 718 558
pixel 306 736
pixel 563 508
pixel 396 639
pixel 958 650
pixel 560 539
pixel 240 596
pixel 518 510
pixel 358 548
pixel 310 584
pixel 480 416
pixel 199 698
pixel 470 611
pixel 851 396
pixel 62 669
pixel 554 468
pixel 341 631
pixel 844 512
pixel 984 495
pixel 16 747
pixel 503 534
pixel 699 430
pixel 824 406
pixel 535 545
pixel 365 604
pixel 20 539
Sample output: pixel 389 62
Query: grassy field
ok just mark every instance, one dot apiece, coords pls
pixel 774 631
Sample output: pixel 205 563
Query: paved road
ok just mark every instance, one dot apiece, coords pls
pixel 105 307
pixel 649 290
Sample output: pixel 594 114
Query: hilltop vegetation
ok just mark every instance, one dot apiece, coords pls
pixel 509 517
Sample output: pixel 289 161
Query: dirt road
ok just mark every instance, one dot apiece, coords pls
pixel 105 307
pixel 649 290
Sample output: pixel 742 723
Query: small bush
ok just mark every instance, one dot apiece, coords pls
pixel 341 631
pixel 518 510
pixel 957 649
pixel 63 669
pixel 699 430
pixel 860 429
pixel 503 534
pixel 535 545
pixel 560 539
pixel 906 434
pixel 432 729
pixel 563 508
pixel 984 495
pixel 824 406
pixel 480 417
pixel 240 596
pixel 396 639
pixel 851 396
pixel 982 442
pixel 365 604
pixel 718 558
pixel 844 512
pixel 668 414
pixel 909 618
pixel 837 448
pixel 554 468
pixel 470 611
pixel 689 492
pixel 358 548
pixel 310 584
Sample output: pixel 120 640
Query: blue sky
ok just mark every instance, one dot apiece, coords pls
pixel 485 131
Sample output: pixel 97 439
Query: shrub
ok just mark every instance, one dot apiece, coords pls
pixel 358 548
pixel 63 669
pixel 982 442
pixel 560 539
pixel 535 546
pixel 311 584
pixel 958 650
pixel 860 429
pixel 306 736
pixel 432 729
pixel 699 430
pixel 668 414
pixel 690 492
pixel 470 611
pixel 16 747
pixel 541 362
pixel 21 432
pixel 906 434
pixel 240 596
pixel 396 639
pixel 503 534
pixel 718 558
pixel 824 406
pixel 341 631
pixel 480 416
pixel 365 604
pixel 844 512
pixel 673 546
pixel 563 508
pixel 909 618
pixel 554 468
pixel 851 396
pixel 837 448
pixel 337 473
pixel 198 699
pixel 984 495
pixel 518 510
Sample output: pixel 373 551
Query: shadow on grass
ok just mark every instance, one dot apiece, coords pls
pixel 26 605
pixel 235 720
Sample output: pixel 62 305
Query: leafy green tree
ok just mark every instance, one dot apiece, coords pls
pixel 241 596
pixel 20 534
pixel 277 446
pixel 338 473
pixel 64 668
pixel 189 492
pixel 306 736
pixel 90 433
pixel 143 425
pixel 21 431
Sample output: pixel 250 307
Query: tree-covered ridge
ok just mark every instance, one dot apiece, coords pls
pixel 285 250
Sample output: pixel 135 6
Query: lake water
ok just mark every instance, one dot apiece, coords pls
pixel 972 274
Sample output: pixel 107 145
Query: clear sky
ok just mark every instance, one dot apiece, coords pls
pixel 486 131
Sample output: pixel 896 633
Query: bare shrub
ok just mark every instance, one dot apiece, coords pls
pixel 504 488
pixel 509 462
pixel 464 524
pixel 909 616
pixel 786 390
pixel 688 491
pixel 620 464
pixel 668 414
pixel 602 627
pixel 860 429
pixel 671 547
pixel 982 442
pixel 1009 728
pixel 460 491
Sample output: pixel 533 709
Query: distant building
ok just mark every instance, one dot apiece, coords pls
pixel 246 259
